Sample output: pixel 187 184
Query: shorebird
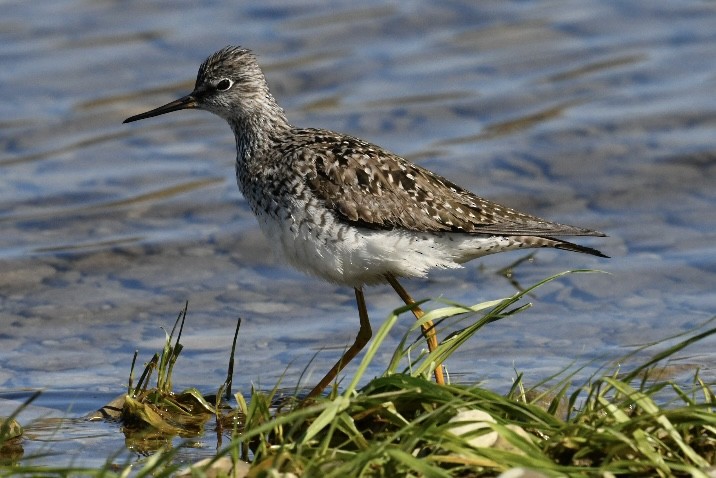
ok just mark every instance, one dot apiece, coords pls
pixel 349 211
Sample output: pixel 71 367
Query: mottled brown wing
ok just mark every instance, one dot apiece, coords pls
pixel 370 187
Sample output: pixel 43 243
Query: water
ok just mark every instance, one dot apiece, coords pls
pixel 598 114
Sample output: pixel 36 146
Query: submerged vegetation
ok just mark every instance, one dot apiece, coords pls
pixel 402 424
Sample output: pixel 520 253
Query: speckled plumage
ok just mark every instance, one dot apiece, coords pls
pixel 347 210
pixel 328 200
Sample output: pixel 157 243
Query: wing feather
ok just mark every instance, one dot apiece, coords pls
pixel 368 186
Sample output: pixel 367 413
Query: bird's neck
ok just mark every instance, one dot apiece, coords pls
pixel 257 134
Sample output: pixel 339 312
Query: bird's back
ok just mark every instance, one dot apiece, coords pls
pixel 366 186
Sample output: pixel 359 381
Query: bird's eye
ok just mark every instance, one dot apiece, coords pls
pixel 224 84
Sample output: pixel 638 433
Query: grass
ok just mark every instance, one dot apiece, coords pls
pixel 159 408
pixel 402 424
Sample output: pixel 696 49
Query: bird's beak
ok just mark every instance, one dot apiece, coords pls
pixel 185 103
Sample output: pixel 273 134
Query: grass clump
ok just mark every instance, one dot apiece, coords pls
pixel 151 416
pixel 159 408
pixel 402 424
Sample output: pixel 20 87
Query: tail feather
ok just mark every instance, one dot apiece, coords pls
pixel 569 246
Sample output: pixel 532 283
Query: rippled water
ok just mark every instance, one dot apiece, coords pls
pixel 598 114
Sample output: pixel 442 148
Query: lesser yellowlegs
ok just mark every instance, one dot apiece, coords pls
pixel 349 211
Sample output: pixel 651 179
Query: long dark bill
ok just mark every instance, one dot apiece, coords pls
pixel 185 103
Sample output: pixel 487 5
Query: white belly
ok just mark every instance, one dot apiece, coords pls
pixel 356 256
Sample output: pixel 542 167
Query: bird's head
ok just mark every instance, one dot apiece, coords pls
pixel 229 84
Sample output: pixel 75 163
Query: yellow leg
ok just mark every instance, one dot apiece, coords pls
pixel 428 327
pixel 364 335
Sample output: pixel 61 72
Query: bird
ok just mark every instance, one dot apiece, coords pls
pixel 346 210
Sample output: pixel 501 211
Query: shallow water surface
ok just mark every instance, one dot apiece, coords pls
pixel 598 114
